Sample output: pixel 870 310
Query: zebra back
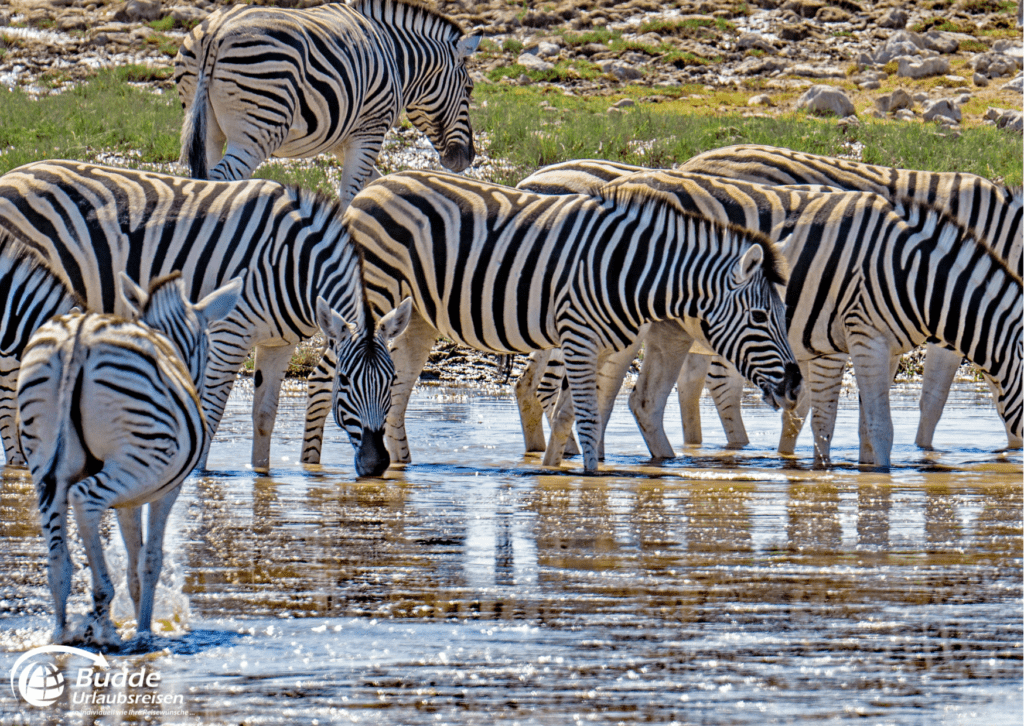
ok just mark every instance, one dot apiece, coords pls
pixel 991 212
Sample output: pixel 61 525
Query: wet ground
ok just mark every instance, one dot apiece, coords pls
pixel 475 587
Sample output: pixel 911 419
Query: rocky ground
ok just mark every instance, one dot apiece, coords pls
pixel 966 49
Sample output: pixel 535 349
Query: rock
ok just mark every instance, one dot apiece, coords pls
pixel 187 16
pixel 869 86
pixel 826 99
pixel 1012 121
pixel 894 18
pixel 905 114
pixel 943 108
pixel 993 64
pixel 612 111
pixel 831 14
pixel 923 68
pixel 955 81
pixel 963 98
pixel 1017 84
pixel 804 8
pixel 624 103
pixel 138 11
pixel 848 121
pixel 901 43
pixel 593 49
pixel 979 79
pixel 795 31
pixel 72 21
pixel 762 99
pixel 943 42
pixel 755 41
pixel 892 102
pixel 622 71
pixel 532 63
pixel 921 97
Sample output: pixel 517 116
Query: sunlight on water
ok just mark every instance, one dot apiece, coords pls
pixel 722 586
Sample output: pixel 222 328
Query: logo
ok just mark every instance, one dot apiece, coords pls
pixel 40 682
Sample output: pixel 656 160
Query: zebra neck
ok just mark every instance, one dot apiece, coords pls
pixel 414 55
pixel 333 270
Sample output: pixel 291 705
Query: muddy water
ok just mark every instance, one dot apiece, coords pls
pixel 474 586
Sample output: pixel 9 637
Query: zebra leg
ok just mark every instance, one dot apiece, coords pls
pixel 666 347
pixel 581 369
pixel 552 384
pixel 153 555
pixel 357 155
pixel 726 387
pixel 531 413
pixel 228 351
pixel 90 498
pixel 13 455
pixel 55 529
pixel 270 366
pixel 610 373
pixel 940 366
pixel 1014 442
pixel 130 521
pixel 874 367
pixel 867 449
pixel 561 419
pixel 319 388
pixel 824 381
pixel 689 386
pixel 409 351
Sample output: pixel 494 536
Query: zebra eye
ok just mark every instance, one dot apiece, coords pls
pixel 343 379
pixel 759 316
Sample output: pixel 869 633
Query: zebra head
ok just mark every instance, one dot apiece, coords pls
pixel 166 308
pixel 441 111
pixel 747 326
pixel 362 380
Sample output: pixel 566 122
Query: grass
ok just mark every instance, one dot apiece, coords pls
pixel 689 28
pixel 563 71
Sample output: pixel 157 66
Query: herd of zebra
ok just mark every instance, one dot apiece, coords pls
pixel 750 262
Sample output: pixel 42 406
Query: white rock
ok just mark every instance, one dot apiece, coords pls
pixel 826 99
pixel 922 68
pixel 622 71
pixel 624 103
pixel 943 108
pixel 904 114
pixel 979 79
pixel 762 99
pixel 1017 84
pixel 547 50
pixel 532 63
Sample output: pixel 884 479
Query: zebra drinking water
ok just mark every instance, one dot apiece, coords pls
pixel 296 83
pixel 89 222
pixel 110 417
pixel 506 271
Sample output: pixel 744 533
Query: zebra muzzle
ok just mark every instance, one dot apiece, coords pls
pixel 372 457
pixel 788 391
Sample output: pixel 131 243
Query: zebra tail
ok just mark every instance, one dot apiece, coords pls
pixel 193 130
pixel 55 451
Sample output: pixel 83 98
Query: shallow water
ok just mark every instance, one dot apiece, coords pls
pixel 722 587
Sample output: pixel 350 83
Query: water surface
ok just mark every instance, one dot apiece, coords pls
pixel 474 586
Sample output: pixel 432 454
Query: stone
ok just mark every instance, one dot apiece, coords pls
pixel 921 97
pixel 804 8
pixel 749 41
pixel 963 98
pixel 826 99
pixel 547 50
pixel 762 99
pixel 624 103
pixel 894 18
pixel 942 42
pixel 905 114
pixel 994 65
pixel 794 31
pixel 72 21
pixel 593 49
pixel 138 11
pixel 532 63
pixel 943 108
pixel 1016 85
pixel 892 102
pixel 831 14
pixel 979 79
pixel 622 71
pixel 869 86
pixel 187 16
pixel 1011 121
pixel 923 68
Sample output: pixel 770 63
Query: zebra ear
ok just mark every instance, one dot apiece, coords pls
pixel 219 303
pixel 394 323
pixel 748 264
pixel 133 295
pixel 332 324
pixel 467 45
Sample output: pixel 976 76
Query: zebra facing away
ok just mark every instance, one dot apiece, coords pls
pixel 90 222
pixel 110 416
pixel 506 271
pixel 991 212
pixel 296 83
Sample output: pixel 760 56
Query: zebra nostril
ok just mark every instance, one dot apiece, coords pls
pixel 372 457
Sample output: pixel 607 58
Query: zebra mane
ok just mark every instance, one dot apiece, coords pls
pixel 945 219
pixel 409 13
pixel 23 252
pixel 647 199
pixel 1016 193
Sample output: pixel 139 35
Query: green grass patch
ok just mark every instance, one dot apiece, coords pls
pixel 659 135
pixel 944 24
pixel 598 35
pixel 511 45
pixel 101 114
pixel 972 46
pixel 689 28
pixel 163 24
pixel 563 71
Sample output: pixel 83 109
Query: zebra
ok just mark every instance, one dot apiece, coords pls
pixel 110 417
pixel 89 222
pixel 296 83
pixel 991 212
pixel 868 283
pixel 506 271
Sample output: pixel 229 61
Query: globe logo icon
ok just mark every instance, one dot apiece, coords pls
pixel 41 684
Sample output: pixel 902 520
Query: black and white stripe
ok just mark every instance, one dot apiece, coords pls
pixel 506 271
pixel 90 222
pixel 110 416
pixel 296 83
pixel 990 212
